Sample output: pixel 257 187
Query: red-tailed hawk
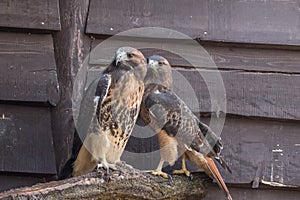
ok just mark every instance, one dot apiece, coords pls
pixel 109 121
pixel 179 131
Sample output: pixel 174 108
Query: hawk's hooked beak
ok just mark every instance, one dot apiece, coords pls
pixel 122 56
pixel 152 67
pixel 152 63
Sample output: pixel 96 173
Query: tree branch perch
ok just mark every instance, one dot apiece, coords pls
pixel 115 185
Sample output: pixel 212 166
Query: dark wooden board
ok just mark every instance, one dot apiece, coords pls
pixel 30 14
pixel 255 59
pixel 242 193
pixel 105 16
pixel 270 95
pixel 251 148
pixel 8 182
pixel 28 70
pixel 26 143
pixel 224 57
pixel 267 22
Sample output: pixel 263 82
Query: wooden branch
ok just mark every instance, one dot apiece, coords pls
pixel 115 185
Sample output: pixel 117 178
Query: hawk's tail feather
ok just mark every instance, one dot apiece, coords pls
pixel 223 164
pixel 67 170
pixel 216 174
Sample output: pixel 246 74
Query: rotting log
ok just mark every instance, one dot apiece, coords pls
pixel 115 185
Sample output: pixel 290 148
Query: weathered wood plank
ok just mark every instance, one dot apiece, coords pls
pixel 31 14
pixel 255 59
pixel 248 94
pixel 270 95
pixel 26 143
pixel 267 22
pixel 189 18
pixel 13 181
pixel 249 147
pixel 28 70
pixel 244 193
pixel 224 57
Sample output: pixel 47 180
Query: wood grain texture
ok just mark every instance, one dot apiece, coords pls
pixel 257 94
pixel 252 147
pixel 255 59
pixel 26 143
pixel 270 95
pixel 267 22
pixel 224 57
pixel 28 70
pixel 109 18
pixel 30 14
pixel 13 181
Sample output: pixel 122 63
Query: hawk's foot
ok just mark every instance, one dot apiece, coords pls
pixel 124 165
pixel 183 171
pixel 162 174
pixel 107 166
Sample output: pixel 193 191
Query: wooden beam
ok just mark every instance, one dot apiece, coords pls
pixel 28 69
pixel 71 47
pixel 26 143
pixel 30 14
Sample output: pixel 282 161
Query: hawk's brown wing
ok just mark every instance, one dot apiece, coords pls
pixel 163 109
pixel 93 96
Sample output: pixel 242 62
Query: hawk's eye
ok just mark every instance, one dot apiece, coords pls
pixel 129 55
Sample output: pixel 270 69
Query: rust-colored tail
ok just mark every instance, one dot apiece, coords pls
pixel 216 174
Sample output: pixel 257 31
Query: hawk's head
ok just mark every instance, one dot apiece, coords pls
pixel 159 71
pixel 128 58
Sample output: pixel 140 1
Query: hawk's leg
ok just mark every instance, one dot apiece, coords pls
pixel 159 172
pixel 183 169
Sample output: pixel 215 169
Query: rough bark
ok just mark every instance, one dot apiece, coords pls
pixel 115 185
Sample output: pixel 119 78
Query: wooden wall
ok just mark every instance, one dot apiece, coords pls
pixel 254 44
pixel 29 89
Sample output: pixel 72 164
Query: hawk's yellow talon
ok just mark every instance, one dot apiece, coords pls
pixel 160 173
pixel 182 171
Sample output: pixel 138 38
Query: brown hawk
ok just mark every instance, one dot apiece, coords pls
pixel 179 131
pixel 109 121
